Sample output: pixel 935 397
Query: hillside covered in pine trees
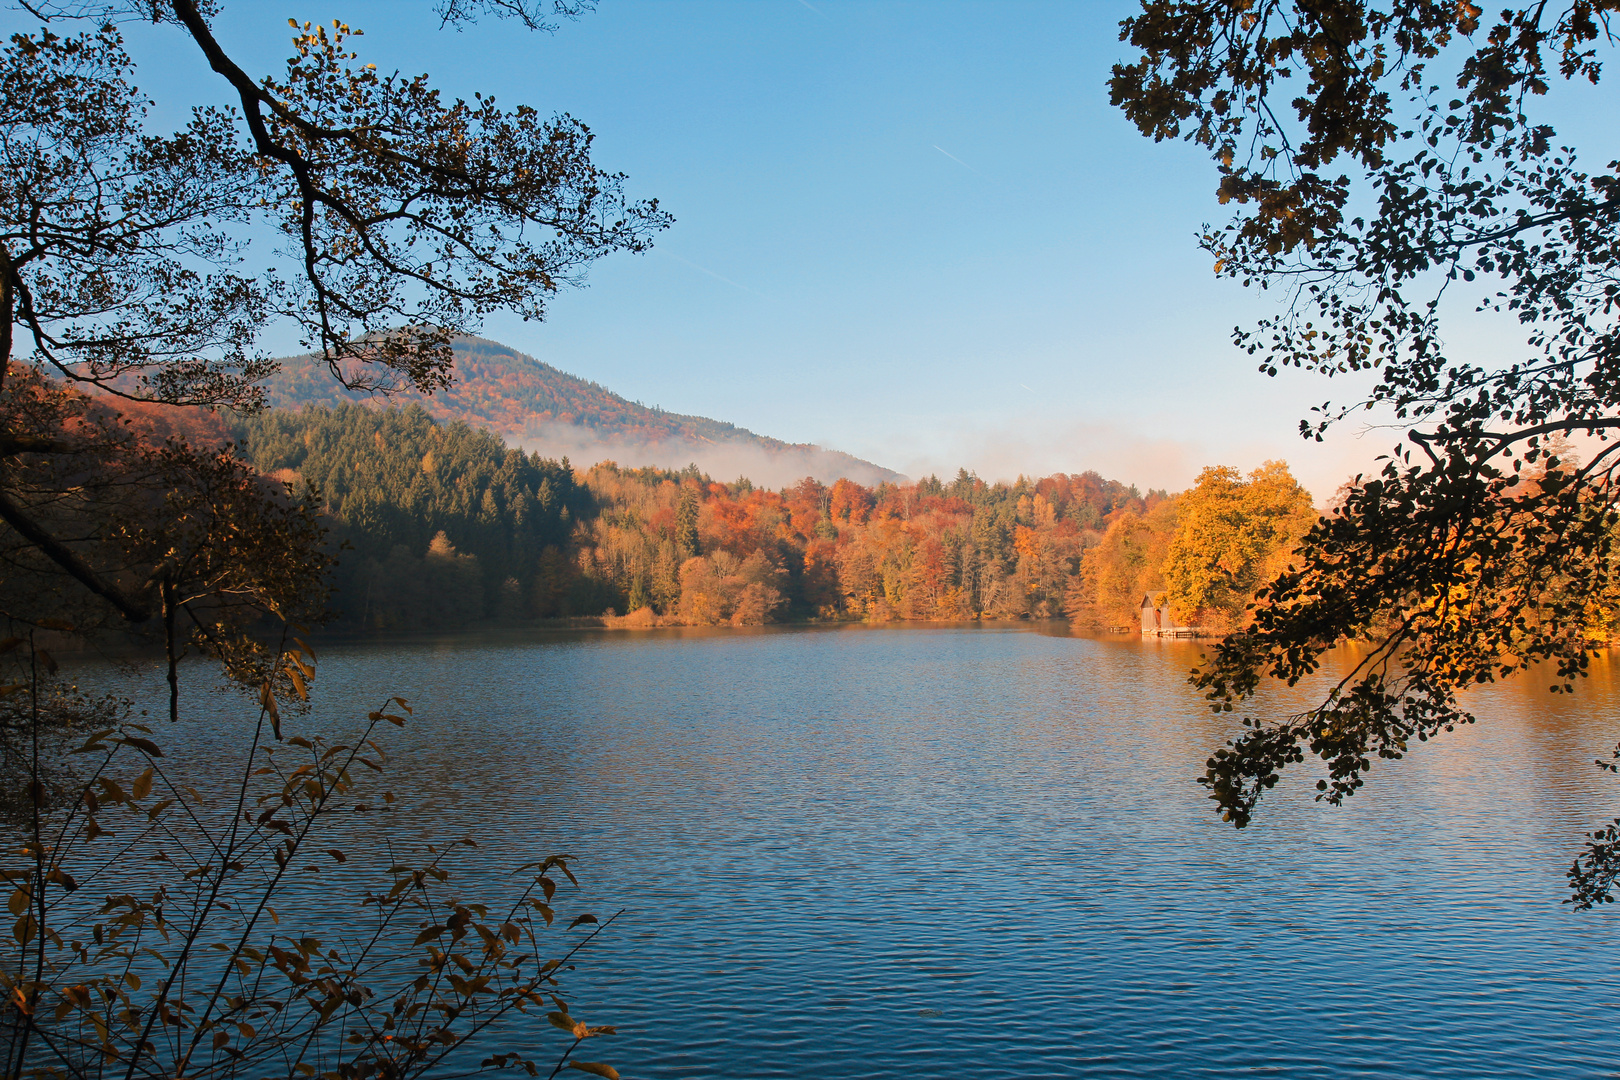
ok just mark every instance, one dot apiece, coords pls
pixel 533 405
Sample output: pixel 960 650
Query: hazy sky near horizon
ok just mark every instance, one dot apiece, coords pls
pixel 916 232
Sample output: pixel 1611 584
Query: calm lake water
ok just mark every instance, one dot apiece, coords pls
pixel 950 852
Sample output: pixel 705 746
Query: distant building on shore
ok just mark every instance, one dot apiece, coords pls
pixel 1157 620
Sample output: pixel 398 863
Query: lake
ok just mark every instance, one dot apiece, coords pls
pixel 979 852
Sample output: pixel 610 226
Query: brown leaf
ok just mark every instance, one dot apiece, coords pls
pixel 146 746
pixel 267 699
pixel 595 1068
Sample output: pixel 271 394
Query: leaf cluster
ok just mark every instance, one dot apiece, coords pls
pixel 1377 156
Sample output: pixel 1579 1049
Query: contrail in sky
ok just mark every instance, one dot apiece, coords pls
pixel 950 155
pixel 711 273
pixel 812 7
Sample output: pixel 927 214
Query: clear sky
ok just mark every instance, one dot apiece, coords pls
pixel 916 232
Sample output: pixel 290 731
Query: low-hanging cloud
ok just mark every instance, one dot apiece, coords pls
pixel 765 466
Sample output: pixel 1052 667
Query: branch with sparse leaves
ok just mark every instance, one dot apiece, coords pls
pixel 162 931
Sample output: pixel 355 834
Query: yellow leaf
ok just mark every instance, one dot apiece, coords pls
pixel 18 902
pixel 595 1068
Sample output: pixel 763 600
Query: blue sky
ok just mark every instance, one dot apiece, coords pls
pixel 916 232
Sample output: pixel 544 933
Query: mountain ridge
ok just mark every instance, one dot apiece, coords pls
pixel 533 404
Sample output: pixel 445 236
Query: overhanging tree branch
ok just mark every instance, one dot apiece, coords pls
pixel 65 557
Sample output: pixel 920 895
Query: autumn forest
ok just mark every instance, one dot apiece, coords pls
pixel 441 525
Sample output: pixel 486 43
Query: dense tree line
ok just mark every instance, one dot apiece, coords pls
pixel 444 526
pixel 681 548
pixel 1208 549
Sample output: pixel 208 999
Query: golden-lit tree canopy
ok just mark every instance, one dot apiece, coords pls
pixel 1233 534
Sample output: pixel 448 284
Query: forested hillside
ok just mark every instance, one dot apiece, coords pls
pixel 529 402
pixel 444 526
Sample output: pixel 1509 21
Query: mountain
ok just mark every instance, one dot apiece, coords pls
pixel 531 404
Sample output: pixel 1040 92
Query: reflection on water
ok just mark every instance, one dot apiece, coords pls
pixel 952 852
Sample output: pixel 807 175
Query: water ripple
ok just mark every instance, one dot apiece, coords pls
pixel 979 853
